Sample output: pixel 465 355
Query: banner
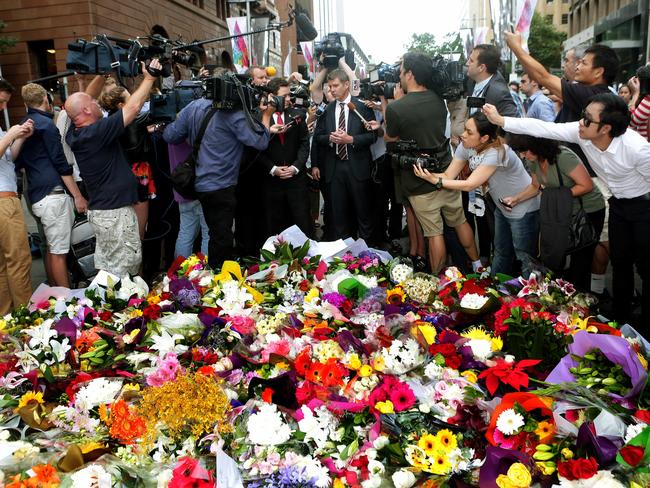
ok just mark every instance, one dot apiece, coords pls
pixel 287 62
pixel 526 10
pixel 240 50
pixel 308 52
pixel 480 35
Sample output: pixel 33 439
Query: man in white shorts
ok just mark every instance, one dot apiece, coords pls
pixel 49 182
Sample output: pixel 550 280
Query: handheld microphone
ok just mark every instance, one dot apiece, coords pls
pixel 353 108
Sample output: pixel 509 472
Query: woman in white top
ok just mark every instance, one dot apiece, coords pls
pixel 493 162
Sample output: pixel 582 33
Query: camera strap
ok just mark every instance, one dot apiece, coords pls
pixel 199 136
pixel 115 62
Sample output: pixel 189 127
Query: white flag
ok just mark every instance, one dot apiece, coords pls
pixel 287 62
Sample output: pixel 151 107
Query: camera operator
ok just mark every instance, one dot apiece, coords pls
pixel 420 115
pixel 112 187
pixel 250 226
pixel 218 164
pixel 285 185
pixel 320 88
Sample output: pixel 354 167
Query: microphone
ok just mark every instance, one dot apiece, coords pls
pixel 353 108
pixel 306 30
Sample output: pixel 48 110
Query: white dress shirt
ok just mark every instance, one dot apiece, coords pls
pixel 624 166
pixel 276 120
pixel 337 114
pixel 7 170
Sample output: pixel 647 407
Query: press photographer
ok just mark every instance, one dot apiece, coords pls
pixel 219 127
pixel 419 114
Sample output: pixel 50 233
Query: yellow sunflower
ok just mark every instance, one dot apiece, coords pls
pixel 447 440
pixel 30 397
pixel 429 444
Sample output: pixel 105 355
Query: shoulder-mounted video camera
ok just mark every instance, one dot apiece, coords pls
pixel 333 47
pixel 104 54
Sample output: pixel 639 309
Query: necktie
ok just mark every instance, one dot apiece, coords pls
pixel 281 122
pixel 342 149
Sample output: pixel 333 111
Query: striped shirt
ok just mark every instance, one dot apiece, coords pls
pixel 640 115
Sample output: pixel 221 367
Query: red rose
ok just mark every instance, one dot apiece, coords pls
pixel 578 469
pixel 105 316
pixel 152 312
pixel 643 416
pixel 453 362
pixel 632 455
pixel 448 301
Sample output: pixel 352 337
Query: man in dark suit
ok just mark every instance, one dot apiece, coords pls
pixel 487 82
pixel 285 183
pixel 345 142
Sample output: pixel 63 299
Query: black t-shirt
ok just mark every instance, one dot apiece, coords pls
pixel 421 117
pixel 102 163
pixel 575 98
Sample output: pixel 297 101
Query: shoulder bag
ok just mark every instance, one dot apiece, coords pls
pixel 581 231
pixel 184 175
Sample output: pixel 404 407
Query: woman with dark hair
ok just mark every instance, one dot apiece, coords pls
pixel 640 102
pixel 493 162
pixel 553 165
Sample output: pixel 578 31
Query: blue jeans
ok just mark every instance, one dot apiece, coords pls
pixel 515 238
pixel 192 221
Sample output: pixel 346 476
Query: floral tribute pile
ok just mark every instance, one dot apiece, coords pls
pixel 295 372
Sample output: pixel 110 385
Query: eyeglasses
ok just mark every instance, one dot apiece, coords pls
pixel 587 121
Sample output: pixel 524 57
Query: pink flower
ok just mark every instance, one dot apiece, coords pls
pixel 402 397
pixel 242 325
pixel 506 442
pixel 167 370
pixel 281 348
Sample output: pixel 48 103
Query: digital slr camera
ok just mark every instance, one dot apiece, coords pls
pixel 407 154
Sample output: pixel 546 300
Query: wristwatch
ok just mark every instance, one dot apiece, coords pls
pixel 438 184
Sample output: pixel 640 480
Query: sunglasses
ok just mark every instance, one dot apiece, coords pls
pixel 587 121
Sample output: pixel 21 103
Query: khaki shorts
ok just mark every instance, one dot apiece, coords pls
pixel 118 249
pixel 430 208
pixel 57 216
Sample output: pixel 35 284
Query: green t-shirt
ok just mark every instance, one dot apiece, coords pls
pixel 421 117
pixel 566 162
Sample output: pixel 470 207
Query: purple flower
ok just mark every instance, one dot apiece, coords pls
pixel 175 286
pixel 335 299
pixel 188 298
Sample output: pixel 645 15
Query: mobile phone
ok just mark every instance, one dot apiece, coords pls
pixel 504 203
pixel 475 102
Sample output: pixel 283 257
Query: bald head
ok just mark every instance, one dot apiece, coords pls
pixel 82 109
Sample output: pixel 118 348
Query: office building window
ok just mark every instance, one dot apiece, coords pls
pixel 222 9
pixel 565 18
pixel 42 57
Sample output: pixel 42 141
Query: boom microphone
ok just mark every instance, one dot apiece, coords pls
pixel 306 30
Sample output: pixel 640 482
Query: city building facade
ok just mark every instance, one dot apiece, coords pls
pixel 620 24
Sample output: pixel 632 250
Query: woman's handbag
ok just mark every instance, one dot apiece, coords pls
pixel 184 175
pixel 581 231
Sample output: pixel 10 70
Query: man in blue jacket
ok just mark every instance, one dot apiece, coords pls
pixel 49 182
pixel 217 165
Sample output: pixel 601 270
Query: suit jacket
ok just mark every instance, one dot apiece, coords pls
pixel 359 156
pixel 497 93
pixel 294 151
